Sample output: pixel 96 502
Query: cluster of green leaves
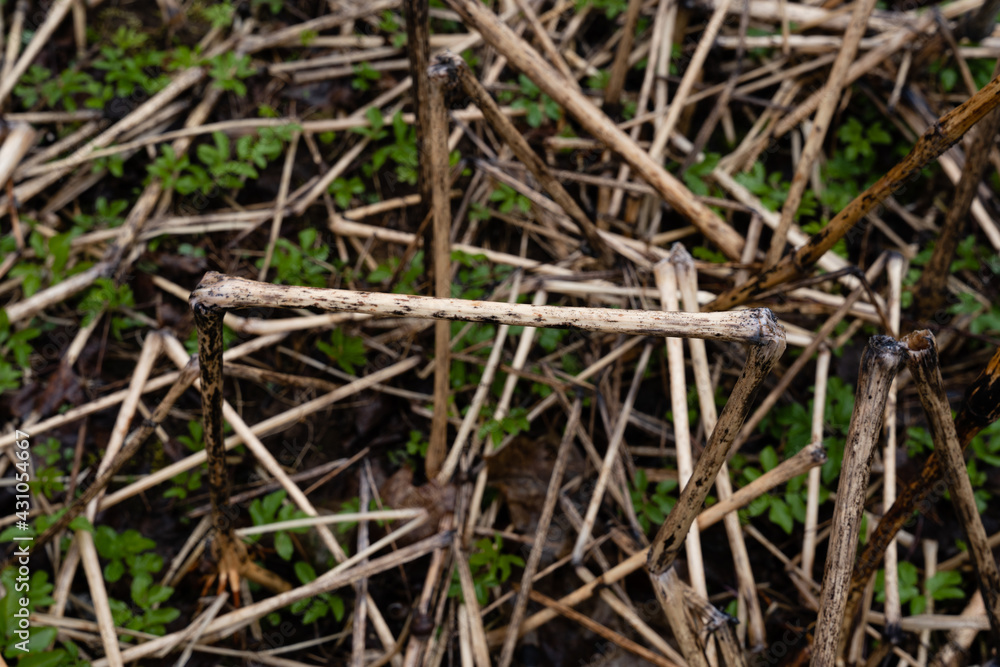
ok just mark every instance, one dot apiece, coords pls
pixel 516 421
pixel 508 200
pixel 105 296
pixel 791 426
pixel 131 552
pixel 345 190
pixel 414 450
pixel 347 351
pixel 391 25
pixel 220 164
pixel 364 76
pixel 652 505
pixel 188 481
pixel 538 107
pixel 38 590
pixel 302 264
pixel 402 151
pixel 985 448
pixel 15 350
pixel 945 585
pixel 408 277
pixel 490 568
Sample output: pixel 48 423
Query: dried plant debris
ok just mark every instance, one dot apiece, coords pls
pixel 397 333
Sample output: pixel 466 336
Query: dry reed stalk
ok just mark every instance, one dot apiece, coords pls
pixel 595 627
pixel 665 274
pixel 541 535
pixel 937 139
pixel 821 122
pixel 470 605
pixel 279 203
pixel 760 359
pixel 610 458
pixel 980 408
pixel 923 365
pixel 358 624
pixel 812 499
pixel 434 123
pixel 757 326
pixel 522 149
pixel 893 606
pixel 688 279
pixel 880 361
pixel 523 57
pixel 667 587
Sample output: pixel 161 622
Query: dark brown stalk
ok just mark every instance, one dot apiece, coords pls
pixel 523 57
pixel 616 81
pixel 881 360
pixel 522 149
pixel 932 289
pixel 434 120
pixel 417 16
pixel 980 408
pixel 923 364
pixel 761 358
pixel 225 547
pixel 938 138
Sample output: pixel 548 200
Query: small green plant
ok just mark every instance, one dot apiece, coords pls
pixel 490 568
pixel 228 173
pixel 220 15
pixel 945 585
pixel 344 190
pixel 652 506
pixel 347 351
pixel 537 105
pixel 515 422
pixel 408 278
pixel 104 295
pixel 611 8
pixel 131 552
pixel 315 608
pixel 272 508
pixel 37 589
pixel 403 152
pixel 106 215
pixel 228 71
pixel 14 344
pixel 510 199
pixel 364 76
pixel 303 264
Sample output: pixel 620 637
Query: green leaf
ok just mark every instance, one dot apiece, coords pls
pixel 283 545
pixel 768 458
pixel 781 515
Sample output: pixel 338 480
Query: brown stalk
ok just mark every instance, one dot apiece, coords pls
pixel 881 360
pixel 523 57
pixel 931 290
pixel 668 589
pixel 980 408
pixel 434 120
pixel 923 364
pixel 760 360
pixel 522 149
pixel 938 138
pixel 619 68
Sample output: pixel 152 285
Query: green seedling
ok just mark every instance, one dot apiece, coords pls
pixel 347 351
pixel 490 568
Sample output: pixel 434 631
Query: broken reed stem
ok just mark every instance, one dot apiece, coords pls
pixel 218 292
pixel 434 119
pixel 938 138
pixel 821 122
pixel 610 457
pixel 522 56
pixel 980 408
pixel 760 360
pixel 923 364
pixel 522 149
pixel 893 606
pixel 666 281
pixel 881 360
pixel 667 587
pixel 541 534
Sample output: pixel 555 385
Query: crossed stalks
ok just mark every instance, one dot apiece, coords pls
pixel 757 328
